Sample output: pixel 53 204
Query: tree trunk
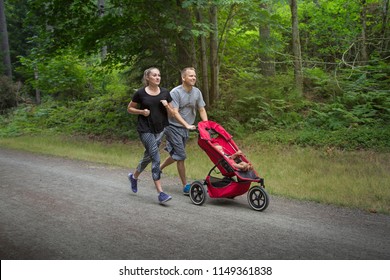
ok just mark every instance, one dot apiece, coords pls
pixel 4 41
pixel 222 38
pixel 385 19
pixel 37 91
pixel 184 40
pixel 267 64
pixel 363 18
pixel 296 45
pixel 101 6
pixel 214 87
pixel 203 62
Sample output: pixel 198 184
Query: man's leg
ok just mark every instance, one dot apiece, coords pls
pixel 168 161
pixel 181 169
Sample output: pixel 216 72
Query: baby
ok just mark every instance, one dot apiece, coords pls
pixel 237 162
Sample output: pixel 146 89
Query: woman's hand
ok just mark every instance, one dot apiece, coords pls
pixel 145 112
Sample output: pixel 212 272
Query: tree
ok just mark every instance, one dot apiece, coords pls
pixel 203 59
pixel 384 29
pixel 184 40
pixel 101 14
pixel 296 46
pixel 4 41
pixel 267 64
pixel 214 66
pixel 363 17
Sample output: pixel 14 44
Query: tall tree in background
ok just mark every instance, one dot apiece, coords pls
pixel 363 18
pixel 185 45
pixel 4 41
pixel 267 64
pixel 384 30
pixel 296 46
pixel 101 7
pixel 214 85
pixel 203 59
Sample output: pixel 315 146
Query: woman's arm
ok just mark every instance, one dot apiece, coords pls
pixel 132 108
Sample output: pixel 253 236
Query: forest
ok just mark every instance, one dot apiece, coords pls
pixel 300 72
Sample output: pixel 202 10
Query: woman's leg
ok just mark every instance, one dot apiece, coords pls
pixel 152 154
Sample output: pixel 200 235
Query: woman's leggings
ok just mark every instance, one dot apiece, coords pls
pixel 151 143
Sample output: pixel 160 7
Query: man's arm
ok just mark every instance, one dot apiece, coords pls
pixel 203 114
pixel 179 118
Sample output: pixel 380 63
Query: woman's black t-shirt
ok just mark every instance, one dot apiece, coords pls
pixel 158 118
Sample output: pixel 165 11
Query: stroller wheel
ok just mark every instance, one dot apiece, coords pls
pixel 197 193
pixel 258 198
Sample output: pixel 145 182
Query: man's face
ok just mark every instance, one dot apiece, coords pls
pixel 189 78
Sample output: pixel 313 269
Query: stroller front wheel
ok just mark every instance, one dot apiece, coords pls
pixel 258 198
pixel 197 193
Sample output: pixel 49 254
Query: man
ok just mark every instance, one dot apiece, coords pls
pixel 186 100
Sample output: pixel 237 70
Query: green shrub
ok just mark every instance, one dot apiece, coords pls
pixel 8 91
pixel 104 116
pixel 359 138
pixel 319 85
pixel 65 77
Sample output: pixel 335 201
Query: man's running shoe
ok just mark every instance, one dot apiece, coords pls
pixel 163 197
pixel 133 182
pixel 186 189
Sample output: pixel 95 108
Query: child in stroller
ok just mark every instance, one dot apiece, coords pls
pixel 236 173
pixel 236 160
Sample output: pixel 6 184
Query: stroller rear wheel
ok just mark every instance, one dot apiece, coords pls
pixel 258 198
pixel 197 193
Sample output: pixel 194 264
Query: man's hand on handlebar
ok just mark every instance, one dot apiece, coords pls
pixel 191 127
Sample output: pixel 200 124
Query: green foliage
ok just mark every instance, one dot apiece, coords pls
pixel 64 76
pixel 103 116
pixel 18 122
pixel 364 101
pixel 319 85
pixel 256 103
pixel 328 28
pixel 358 138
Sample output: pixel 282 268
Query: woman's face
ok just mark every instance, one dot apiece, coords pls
pixel 154 77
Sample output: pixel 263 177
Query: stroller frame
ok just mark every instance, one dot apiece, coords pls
pixel 234 182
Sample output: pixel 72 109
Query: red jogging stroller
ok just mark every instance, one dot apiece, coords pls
pixel 231 181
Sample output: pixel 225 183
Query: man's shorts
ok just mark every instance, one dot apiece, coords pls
pixel 176 141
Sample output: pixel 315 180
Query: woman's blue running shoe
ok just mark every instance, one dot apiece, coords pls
pixel 133 182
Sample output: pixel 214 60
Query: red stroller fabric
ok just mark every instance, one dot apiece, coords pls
pixel 235 182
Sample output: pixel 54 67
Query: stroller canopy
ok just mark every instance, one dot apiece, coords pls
pixel 209 128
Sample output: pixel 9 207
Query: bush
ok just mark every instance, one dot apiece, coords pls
pixel 319 85
pixel 359 138
pixel 104 116
pixel 64 77
pixel 8 93
pixel 258 103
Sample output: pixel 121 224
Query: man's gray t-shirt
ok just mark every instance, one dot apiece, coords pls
pixel 187 102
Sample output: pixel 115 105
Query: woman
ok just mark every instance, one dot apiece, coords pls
pixel 150 103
